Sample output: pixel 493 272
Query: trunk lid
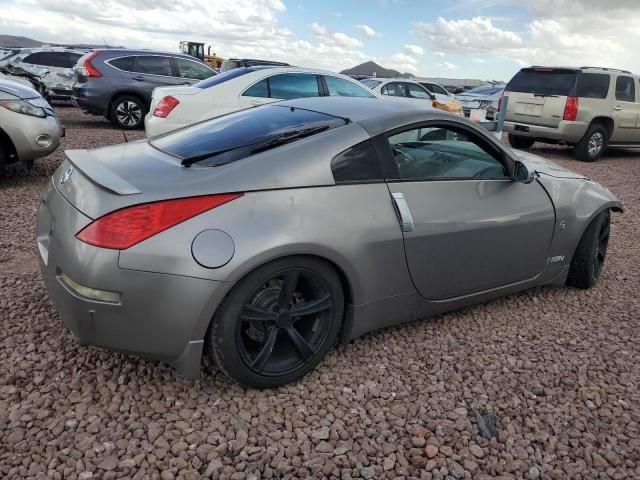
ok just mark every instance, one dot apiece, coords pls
pixel 537 96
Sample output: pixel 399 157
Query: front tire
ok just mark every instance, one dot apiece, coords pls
pixel 521 143
pixel 127 112
pixel 593 144
pixel 588 260
pixel 278 322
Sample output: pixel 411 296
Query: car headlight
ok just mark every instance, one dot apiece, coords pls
pixel 20 106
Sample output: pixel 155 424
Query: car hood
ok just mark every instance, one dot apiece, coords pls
pixel 17 89
pixel 543 166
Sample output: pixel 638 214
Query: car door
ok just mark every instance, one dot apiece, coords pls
pixel 468 227
pixel 151 71
pixel 284 86
pixel 625 110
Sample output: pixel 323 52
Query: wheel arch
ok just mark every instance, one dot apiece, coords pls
pixel 127 93
pixel 5 140
pixel 606 122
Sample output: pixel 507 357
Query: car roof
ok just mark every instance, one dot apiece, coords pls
pixel 374 115
pixel 128 51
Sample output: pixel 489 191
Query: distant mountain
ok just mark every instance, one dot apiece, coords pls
pixel 370 69
pixel 11 41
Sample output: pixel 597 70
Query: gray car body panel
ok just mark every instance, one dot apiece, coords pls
pixel 292 206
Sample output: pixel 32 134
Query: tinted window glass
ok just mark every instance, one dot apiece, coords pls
pixel 593 85
pixel 433 88
pixel 153 65
pixel 57 59
pixel 191 69
pixel 123 63
pixel 260 89
pixel 289 86
pixel 544 81
pixel 625 89
pixel 223 77
pixel 344 88
pixel 33 59
pixel 357 164
pixel 208 140
pixel 416 91
pixel 395 89
pixel 441 152
pixel 370 83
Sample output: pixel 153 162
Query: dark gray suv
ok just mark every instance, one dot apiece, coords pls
pixel 118 83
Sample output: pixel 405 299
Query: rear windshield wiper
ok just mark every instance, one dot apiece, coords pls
pixel 545 95
pixel 257 147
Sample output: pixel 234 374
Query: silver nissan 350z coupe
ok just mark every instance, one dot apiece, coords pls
pixel 270 234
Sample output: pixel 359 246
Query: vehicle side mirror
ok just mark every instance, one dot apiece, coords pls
pixel 522 174
pixel 433 97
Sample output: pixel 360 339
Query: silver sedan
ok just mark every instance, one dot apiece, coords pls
pixel 270 234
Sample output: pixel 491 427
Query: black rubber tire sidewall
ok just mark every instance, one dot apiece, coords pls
pixel 114 118
pixel 221 336
pixel 581 150
pixel 3 158
pixel 521 143
pixel 581 271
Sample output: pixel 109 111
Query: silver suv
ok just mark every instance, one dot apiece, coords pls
pixel 591 108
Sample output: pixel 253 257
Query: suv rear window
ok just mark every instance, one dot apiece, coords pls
pixel 593 85
pixel 544 81
pixel 241 134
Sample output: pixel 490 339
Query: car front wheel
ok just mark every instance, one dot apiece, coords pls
pixel 521 143
pixel 588 260
pixel 278 322
pixel 127 112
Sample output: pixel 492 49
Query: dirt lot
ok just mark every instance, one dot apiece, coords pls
pixel 558 367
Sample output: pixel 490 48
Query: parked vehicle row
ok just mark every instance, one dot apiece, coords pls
pixel 482 98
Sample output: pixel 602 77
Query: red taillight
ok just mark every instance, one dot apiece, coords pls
pixel 89 69
pixel 124 228
pixel 165 106
pixel 571 109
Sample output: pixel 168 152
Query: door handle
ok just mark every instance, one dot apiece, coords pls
pixel 138 78
pixel 618 108
pixel 403 212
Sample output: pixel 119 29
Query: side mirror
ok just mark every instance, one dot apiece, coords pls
pixel 433 97
pixel 522 174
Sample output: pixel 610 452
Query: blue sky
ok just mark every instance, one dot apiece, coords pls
pixel 485 39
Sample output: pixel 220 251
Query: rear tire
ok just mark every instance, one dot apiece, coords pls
pixel 278 322
pixel 127 112
pixel 593 144
pixel 588 260
pixel 522 143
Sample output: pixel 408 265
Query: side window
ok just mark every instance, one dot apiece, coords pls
pixel 438 89
pixel 33 59
pixel 593 85
pixel 260 89
pixel 293 85
pixel 344 88
pixel 123 63
pixel 153 65
pixel 436 152
pixel 357 164
pixel 416 91
pixel 625 89
pixel 394 89
pixel 191 69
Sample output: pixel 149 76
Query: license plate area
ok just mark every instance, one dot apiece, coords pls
pixel 529 109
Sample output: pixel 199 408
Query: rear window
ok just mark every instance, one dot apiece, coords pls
pixel 593 85
pixel 241 134
pixel 223 77
pixel 544 81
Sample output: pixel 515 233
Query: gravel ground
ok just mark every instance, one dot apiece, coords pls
pixel 557 367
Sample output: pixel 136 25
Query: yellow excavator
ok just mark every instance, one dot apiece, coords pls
pixel 196 49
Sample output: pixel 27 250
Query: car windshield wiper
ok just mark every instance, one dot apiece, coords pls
pixel 545 95
pixel 257 147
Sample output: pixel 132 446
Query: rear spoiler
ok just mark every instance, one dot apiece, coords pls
pixel 98 173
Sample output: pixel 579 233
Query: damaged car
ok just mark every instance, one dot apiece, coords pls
pixel 482 98
pixel 54 66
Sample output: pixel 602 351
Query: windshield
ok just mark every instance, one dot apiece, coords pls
pixel 544 81
pixel 370 82
pixel 241 134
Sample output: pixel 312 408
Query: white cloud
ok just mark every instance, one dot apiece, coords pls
pixel 440 54
pixel 478 60
pixel 367 31
pixel 402 62
pixel 447 66
pixel 334 38
pixel 414 49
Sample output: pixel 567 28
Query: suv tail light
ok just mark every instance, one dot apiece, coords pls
pixel 165 106
pixel 124 228
pixel 571 109
pixel 87 69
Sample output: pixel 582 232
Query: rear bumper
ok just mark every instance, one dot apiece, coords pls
pixel 154 315
pixel 155 126
pixel 95 103
pixel 570 132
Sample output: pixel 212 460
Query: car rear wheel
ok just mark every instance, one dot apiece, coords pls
pixel 593 144
pixel 588 260
pixel 278 322
pixel 522 143
pixel 127 112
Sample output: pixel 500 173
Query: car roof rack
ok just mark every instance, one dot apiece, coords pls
pixel 610 69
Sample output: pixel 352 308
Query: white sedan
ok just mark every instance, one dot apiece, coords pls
pixel 401 88
pixel 240 88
